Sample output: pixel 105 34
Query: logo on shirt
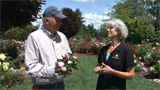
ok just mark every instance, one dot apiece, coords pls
pixel 116 56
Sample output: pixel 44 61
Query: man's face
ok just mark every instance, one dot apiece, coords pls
pixel 53 23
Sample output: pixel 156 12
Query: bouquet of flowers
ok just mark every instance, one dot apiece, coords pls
pixel 67 64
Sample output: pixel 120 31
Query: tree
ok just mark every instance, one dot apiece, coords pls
pixel 70 25
pixel 92 30
pixel 80 17
pixel 80 34
pixel 18 13
pixel 136 19
pixel 103 30
pixel 153 6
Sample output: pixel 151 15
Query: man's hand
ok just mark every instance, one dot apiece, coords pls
pixel 57 69
pixel 71 71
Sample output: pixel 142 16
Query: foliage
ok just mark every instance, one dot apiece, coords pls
pixel 11 79
pixel 19 13
pixel 154 58
pixel 136 18
pixel 86 79
pixel 14 49
pixel 103 30
pixel 155 71
pixel 70 25
pixel 138 69
pixel 153 6
pixel 18 33
pixel 4 67
pixel 87 47
pixel 147 57
pixel 80 17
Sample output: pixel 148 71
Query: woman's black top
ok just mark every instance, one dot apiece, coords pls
pixel 120 59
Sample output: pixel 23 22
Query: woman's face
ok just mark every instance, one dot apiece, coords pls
pixel 112 32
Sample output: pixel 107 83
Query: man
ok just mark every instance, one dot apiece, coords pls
pixel 43 48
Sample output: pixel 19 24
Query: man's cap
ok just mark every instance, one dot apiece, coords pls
pixel 53 11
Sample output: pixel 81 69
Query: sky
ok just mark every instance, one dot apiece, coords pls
pixel 93 11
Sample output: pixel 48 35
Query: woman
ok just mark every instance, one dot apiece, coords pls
pixel 115 60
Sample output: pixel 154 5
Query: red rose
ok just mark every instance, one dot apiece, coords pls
pixel 65 59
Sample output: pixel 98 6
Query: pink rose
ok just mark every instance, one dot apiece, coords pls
pixel 75 57
pixel 140 58
pixel 159 61
pixel 152 69
pixel 64 69
pixel 144 70
pixel 60 64
pixel 142 64
pixel 17 47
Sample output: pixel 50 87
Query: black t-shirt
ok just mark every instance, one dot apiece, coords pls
pixel 120 59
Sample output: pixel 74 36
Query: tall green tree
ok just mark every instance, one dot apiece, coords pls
pixel 92 30
pixel 103 31
pixel 18 13
pixel 81 20
pixel 136 18
pixel 153 6
pixel 80 16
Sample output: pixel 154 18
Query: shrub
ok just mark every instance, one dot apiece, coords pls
pixel 10 79
pixel 138 68
pixel 18 33
pixel 154 71
pixel 14 49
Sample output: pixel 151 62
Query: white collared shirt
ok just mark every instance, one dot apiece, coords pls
pixel 41 53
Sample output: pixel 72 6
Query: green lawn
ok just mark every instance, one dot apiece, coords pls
pixel 85 78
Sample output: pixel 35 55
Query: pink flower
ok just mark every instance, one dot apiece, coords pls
pixel 140 58
pixel 142 64
pixel 20 54
pixel 139 45
pixel 17 47
pixel 152 69
pixel 144 70
pixel 154 48
pixel 64 69
pixel 60 64
pixel 159 61
pixel 75 57
pixel 157 44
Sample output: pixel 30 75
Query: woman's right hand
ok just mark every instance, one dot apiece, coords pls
pixel 97 69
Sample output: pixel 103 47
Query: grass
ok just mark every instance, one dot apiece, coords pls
pixel 85 79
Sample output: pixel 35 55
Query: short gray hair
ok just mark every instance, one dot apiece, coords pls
pixel 44 19
pixel 120 26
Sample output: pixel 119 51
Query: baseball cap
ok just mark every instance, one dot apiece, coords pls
pixel 53 11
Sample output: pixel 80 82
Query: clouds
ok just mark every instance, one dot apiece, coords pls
pixel 90 18
pixel 37 22
pixel 83 0
pixel 95 19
